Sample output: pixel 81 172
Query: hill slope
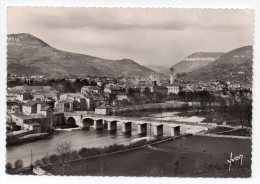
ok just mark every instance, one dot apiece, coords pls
pixel 28 54
pixel 195 61
pixel 161 69
pixel 235 65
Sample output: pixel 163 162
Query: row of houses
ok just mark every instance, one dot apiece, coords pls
pixel 87 101
pixel 165 88
pixel 25 93
pixel 35 116
pixel 39 109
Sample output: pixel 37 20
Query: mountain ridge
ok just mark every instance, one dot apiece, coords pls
pixel 161 69
pixel 27 53
pixel 195 61
pixel 235 65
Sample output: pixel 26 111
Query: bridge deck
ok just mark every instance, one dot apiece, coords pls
pixel 138 120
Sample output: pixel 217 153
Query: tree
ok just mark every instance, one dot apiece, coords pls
pixel 186 107
pixel 38 163
pixel 45 160
pixel 18 164
pixel 8 166
pixel 242 109
pixel 54 159
pixel 75 155
pixel 64 149
pixel 155 171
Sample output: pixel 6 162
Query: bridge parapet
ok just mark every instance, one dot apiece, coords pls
pixel 141 122
pixel 78 113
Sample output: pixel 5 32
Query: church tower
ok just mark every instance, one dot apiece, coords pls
pixel 172 76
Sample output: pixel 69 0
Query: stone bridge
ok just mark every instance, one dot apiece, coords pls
pixel 86 119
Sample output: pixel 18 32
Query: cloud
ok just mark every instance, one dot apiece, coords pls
pixel 149 36
pixel 126 19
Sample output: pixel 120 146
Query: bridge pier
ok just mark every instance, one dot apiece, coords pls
pixel 86 125
pixel 105 124
pixel 98 124
pixel 111 125
pixel 175 131
pixel 126 127
pixel 158 130
pixel 142 128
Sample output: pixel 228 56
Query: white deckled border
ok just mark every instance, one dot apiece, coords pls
pixel 241 4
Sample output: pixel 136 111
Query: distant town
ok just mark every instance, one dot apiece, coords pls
pixel 33 108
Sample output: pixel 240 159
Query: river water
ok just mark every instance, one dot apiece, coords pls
pixel 78 138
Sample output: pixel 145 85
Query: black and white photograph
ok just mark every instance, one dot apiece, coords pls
pixel 136 92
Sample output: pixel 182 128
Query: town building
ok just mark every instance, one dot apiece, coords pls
pixel 173 76
pixel 31 126
pixel 45 96
pixel 63 106
pixel 172 88
pixel 58 119
pixel 21 96
pixel 121 96
pixel 25 93
pixel 154 78
pixel 35 115
pixel 153 88
pixel 95 100
pixel 32 89
pixel 103 110
pixel 87 89
pixel 13 109
pixel 73 101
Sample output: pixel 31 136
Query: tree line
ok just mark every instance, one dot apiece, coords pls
pixel 62 85
pixel 65 153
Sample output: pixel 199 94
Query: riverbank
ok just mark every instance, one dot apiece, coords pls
pixel 169 105
pixel 192 156
pixel 28 138
pixel 216 116
pixel 88 153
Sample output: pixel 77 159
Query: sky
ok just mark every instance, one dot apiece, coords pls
pixel 150 36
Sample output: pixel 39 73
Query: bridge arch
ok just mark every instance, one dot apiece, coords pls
pixel 88 121
pixel 71 121
pixel 127 127
pixel 98 124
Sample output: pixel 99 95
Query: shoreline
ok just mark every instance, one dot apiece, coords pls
pixel 121 153
pixel 28 138
pixel 142 142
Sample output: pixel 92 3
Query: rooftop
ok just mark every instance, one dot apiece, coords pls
pixel 32 123
pixel 31 116
pixel 169 85
pixel 91 87
pixel 32 103
pixel 103 107
pixel 44 107
pixel 32 88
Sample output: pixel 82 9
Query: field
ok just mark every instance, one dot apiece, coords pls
pixel 217 117
pixel 186 157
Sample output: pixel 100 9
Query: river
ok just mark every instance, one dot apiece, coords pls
pixel 78 138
